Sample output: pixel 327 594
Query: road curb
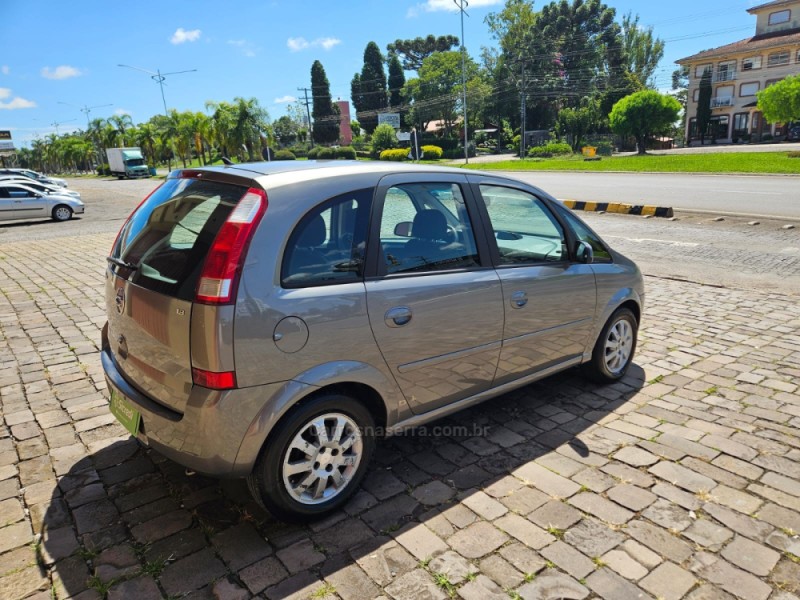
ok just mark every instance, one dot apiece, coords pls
pixel 621 209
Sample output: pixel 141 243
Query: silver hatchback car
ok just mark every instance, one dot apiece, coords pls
pixel 272 320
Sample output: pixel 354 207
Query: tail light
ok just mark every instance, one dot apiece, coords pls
pixel 214 381
pixel 223 265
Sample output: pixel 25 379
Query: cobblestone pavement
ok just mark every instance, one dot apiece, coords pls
pixel 682 481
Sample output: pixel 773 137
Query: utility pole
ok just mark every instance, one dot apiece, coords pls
pixel 462 4
pixel 307 102
pixel 524 110
pixel 56 125
pixel 86 110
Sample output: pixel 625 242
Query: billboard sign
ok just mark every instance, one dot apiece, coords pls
pixel 392 119
pixel 6 145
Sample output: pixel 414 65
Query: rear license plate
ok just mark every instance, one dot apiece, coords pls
pixel 125 412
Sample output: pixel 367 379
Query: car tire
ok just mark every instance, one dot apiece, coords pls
pixel 295 476
pixel 62 212
pixel 613 352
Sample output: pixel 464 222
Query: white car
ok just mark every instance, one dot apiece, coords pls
pixel 34 175
pixel 22 202
pixel 45 188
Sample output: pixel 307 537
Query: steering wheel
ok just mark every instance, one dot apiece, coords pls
pixel 452 235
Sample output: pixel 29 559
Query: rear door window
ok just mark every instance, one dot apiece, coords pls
pixel 167 238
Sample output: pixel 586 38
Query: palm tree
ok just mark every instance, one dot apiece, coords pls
pixel 121 123
pixel 147 139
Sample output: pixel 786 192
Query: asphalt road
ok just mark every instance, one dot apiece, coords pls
pixel 762 195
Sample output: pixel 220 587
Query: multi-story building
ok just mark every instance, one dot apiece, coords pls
pixel 739 70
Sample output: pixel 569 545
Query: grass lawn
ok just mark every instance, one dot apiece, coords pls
pixel 735 162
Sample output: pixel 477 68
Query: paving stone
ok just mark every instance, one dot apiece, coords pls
pixel 566 467
pixel 176 546
pixel 383 560
pixel 241 545
pixel 735 499
pixel 416 585
pixel 592 537
pixel 569 559
pixel 389 513
pixel 478 540
pixel 484 505
pixel 454 566
pixel 420 541
pixel 225 589
pixel 263 574
pixel 501 571
pixel 555 514
pixel 786 576
pixel 598 506
pixel 553 585
pixel 668 515
pixel 523 530
pixel 459 516
pixel 631 497
pixel 636 457
pixel 298 587
pixel 708 535
pixel 162 526
pixel 300 556
pixel 192 572
pixel 628 474
pixel 709 592
pixel 344 535
pixel 546 481
pixel 642 554
pixel 14 536
pixel 729 578
pixel 523 558
pixel 595 480
pixel 668 581
pixel 780 517
pixel 482 588
pixel 659 540
pixel 525 500
pixel 141 588
pixel 750 556
pixel 610 586
pixel 730 447
pixel 682 477
pixel 687 446
pixel 433 493
pixel 622 562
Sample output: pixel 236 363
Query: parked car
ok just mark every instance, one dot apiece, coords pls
pixel 793 135
pixel 44 188
pixel 272 320
pixel 34 175
pixel 19 201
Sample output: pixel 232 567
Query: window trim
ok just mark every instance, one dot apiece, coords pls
pixel 788 18
pixel 753 68
pixel 741 86
pixel 780 64
pixel 318 208
pixel 704 66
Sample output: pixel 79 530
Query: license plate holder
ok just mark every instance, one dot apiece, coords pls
pixel 124 411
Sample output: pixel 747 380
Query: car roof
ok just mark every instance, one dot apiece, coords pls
pixel 330 167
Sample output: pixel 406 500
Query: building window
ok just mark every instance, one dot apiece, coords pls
pixel 751 63
pixel 778 58
pixel 698 72
pixel 782 16
pixel 748 89
pixel 770 82
pixel 798 56
pixel 726 71
pixel 740 124
pixel 696 95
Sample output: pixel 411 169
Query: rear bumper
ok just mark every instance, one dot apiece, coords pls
pixel 207 436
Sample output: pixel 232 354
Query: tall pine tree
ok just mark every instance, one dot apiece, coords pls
pixel 324 113
pixel 368 89
pixel 704 106
pixel 397 79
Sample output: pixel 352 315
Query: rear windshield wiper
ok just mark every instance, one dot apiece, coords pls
pixel 121 263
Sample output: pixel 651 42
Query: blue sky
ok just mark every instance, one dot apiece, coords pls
pixel 57 52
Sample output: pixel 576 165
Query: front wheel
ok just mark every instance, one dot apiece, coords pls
pixel 614 349
pixel 62 213
pixel 315 458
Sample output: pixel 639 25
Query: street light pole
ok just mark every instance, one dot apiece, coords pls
pixel 462 4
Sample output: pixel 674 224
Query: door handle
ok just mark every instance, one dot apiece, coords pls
pixel 398 316
pixel 519 299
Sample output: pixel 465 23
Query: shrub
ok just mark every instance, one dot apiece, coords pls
pixel 299 150
pixel 605 148
pixel 284 155
pixel 326 153
pixel 395 154
pixel 313 153
pixel 432 152
pixel 549 150
pixel 444 143
pixel 103 169
pixel 346 153
pixel 794 155
pixel 363 154
pixel 383 138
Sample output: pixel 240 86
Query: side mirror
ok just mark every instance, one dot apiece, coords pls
pixel 403 229
pixel 585 253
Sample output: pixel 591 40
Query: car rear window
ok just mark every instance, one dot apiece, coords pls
pixel 167 238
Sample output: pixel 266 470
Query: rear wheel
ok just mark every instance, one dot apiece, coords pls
pixel 614 349
pixel 62 212
pixel 315 458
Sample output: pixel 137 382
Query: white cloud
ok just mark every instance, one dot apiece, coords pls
pixel 300 43
pixel 61 72
pixel 284 100
pixel 14 103
pixel 122 111
pixel 447 5
pixel 5 70
pixel 248 49
pixel 181 35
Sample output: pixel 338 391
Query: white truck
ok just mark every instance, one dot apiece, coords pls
pixel 127 162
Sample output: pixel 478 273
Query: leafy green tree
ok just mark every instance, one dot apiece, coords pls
pixel 324 112
pixel 286 130
pixel 397 79
pixel 780 102
pixel 680 89
pixel 368 89
pixel 643 51
pixel 413 52
pixel 704 106
pixel 383 138
pixel 576 123
pixel 643 115
pixel 355 129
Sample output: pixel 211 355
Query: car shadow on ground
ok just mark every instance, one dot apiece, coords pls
pixel 125 522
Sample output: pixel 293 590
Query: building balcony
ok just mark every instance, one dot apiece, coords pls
pixel 720 102
pixel 721 76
